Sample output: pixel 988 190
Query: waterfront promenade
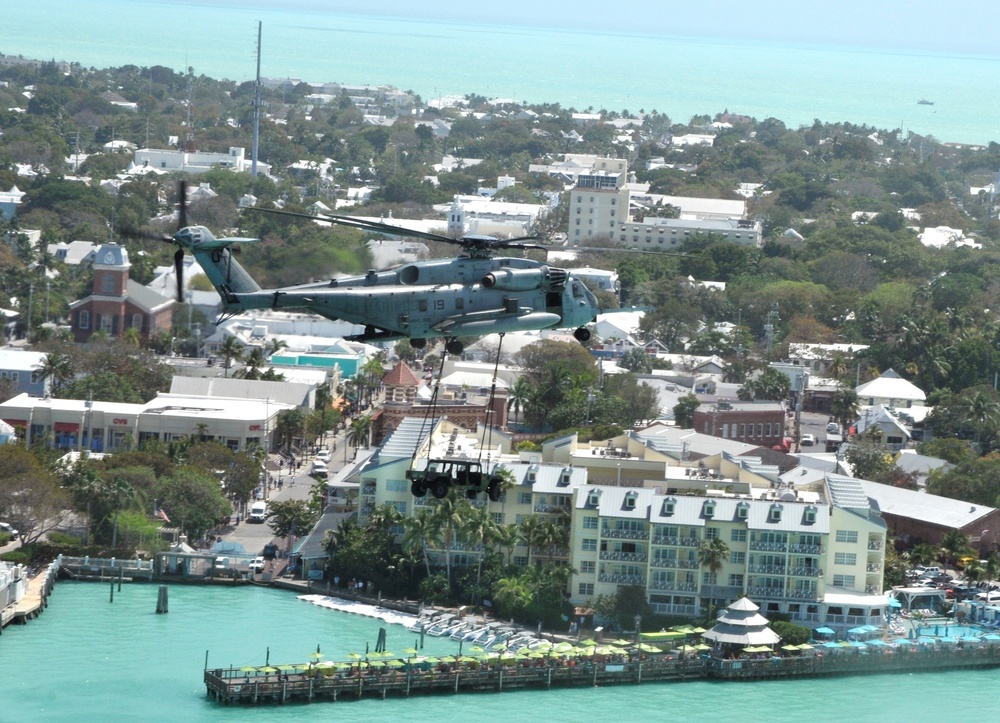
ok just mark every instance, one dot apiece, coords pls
pixel 333 681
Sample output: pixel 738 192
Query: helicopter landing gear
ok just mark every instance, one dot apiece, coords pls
pixel 582 334
pixel 417 489
pixel 493 490
pixel 454 347
pixel 418 343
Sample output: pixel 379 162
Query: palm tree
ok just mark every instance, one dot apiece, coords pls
pixel 507 538
pixel 289 425
pixel 844 407
pixel 421 532
pixel 954 544
pixel 450 514
pixel 360 432
pixel 119 494
pixel 712 554
pixel 253 363
pixel 56 367
pixel 274 346
pixel 981 411
pixel 131 337
pixel 201 431
pixel 480 529
pixel 923 554
pixel 531 532
pixel 519 394
pixel 231 351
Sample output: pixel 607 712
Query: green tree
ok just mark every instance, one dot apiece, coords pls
pixel 769 385
pixel 712 555
pixel 684 411
pixel 231 350
pixel 291 517
pixel 289 426
pixel 421 534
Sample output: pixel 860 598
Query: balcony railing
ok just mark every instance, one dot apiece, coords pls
pixel 766 592
pixel 768 569
pixel 623 579
pixel 802 594
pixel 624 534
pixel 674 586
pixel 368 490
pixel 872 567
pixel 769 546
pixel 664 609
pixel 624 556
pixel 560 509
pixel 673 564
pixel 874 545
pixel 805 572
pixel 806 549
pixel 672 541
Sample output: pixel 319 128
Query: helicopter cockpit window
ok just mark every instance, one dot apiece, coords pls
pixel 577 290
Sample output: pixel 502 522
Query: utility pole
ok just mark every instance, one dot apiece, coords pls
pixel 256 110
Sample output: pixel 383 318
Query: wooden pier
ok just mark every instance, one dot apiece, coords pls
pixel 343 681
pixel 270 685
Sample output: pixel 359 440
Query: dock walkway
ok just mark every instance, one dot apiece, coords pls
pixel 337 681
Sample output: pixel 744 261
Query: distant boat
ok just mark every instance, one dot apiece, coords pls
pixel 925 102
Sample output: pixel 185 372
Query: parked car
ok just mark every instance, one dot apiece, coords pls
pixel 7 529
pixel 257 565
pixel 807 440
pixel 833 428
pixel 323 456
pixel 990 596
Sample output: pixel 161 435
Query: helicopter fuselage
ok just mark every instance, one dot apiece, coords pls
pixel 464 296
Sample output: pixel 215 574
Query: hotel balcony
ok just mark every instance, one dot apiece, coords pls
pixel 624 556
pixel 766 592
pixel 670 541
pixel 771 547
pixel 805 572
pixel 672 564
pixel 806 549
pixel 624 534
pixel 623 579
pixel 673 586
pixel 767 569
pixel 802 594
pixel 552 509
pixel 874 544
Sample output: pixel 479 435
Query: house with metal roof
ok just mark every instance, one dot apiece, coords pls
pixel 914 516
pixel 890 390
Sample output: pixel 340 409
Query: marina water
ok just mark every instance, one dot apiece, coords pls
pixel 678 75
pixel 86 659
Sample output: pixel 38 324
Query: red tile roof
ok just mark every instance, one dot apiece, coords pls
pixel 401 376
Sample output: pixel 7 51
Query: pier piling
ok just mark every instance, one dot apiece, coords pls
pixel 162 605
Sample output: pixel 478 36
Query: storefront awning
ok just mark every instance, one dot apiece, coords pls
pixel 16 422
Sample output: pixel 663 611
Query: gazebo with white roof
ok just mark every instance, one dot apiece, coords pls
pixel 741 625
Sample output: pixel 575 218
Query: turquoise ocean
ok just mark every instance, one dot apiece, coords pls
pixel 678 75
pixel 86 659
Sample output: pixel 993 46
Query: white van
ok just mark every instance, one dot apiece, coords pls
pixel 258 512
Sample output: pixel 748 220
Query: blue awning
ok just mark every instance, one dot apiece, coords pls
pixel 825 631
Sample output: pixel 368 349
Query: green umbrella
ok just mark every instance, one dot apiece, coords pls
pixel 702 646
pixel 355 656
pixel 376 664
pixel 474 649
pixel 588 641
pixel 448 659
pixel 413 651
pixel 622 641
pixel 397 663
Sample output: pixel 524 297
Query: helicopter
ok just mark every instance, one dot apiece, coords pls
pixel 473 294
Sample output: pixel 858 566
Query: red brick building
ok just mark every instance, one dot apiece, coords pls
pixel 462 407
pixel 117 302
pixel 759 423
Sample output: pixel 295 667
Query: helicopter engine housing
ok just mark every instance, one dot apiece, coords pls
pixel 517 279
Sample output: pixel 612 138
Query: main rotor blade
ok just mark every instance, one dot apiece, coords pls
pixel 145 235
pixel 362 224
pixel 179 272
pixel 182 216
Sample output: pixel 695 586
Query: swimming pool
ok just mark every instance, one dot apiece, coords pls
pixel 951 631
